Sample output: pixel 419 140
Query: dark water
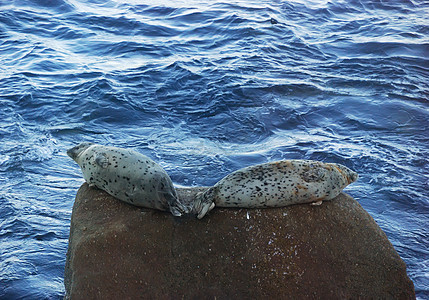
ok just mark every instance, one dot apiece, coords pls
pixel 205 88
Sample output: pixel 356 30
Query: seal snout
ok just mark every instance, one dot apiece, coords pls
pixel 70 153
pixel 73 152
pixel 205 208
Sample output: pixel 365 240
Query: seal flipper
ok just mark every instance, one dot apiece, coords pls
pixel 174 205
pixel 101 160
pixel 203 204
pixel 166 190
pixel 206 207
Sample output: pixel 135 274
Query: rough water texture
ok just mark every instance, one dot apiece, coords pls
pixel 205 88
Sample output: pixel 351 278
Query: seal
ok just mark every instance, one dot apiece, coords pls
pixel 276 184
pixel 127 175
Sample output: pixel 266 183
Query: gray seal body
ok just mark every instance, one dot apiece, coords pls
pixel 276 184
pixel 127 175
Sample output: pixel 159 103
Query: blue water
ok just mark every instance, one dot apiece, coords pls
pixel 205 88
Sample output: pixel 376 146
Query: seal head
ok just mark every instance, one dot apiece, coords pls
pixel 76 150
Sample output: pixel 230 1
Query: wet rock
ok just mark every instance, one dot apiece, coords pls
pixel 332 251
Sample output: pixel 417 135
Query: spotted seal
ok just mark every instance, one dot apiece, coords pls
pixel 127 175
pixel 276 184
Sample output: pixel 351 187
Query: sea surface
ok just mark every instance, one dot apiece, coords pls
pixel 205 88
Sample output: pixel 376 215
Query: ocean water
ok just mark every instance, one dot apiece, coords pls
pixel 205 88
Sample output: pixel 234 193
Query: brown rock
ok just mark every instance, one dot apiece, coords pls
pixel 332 251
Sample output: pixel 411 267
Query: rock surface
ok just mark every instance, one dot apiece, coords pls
pixel 332 251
